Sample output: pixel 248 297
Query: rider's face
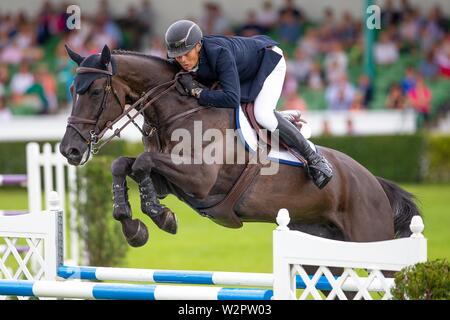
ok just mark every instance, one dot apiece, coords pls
pixel 189 60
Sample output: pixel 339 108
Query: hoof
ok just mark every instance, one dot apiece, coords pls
pixel 166 221
pixel 135 232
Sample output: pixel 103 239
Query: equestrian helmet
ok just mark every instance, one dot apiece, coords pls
pixel 181 37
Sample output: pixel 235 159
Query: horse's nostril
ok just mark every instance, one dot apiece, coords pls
pixel 73 152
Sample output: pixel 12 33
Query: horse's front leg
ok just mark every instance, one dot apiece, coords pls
pixel 135 231
pixel 196 181
pixel 162 216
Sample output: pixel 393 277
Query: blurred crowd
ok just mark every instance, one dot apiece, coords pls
pixel 35 72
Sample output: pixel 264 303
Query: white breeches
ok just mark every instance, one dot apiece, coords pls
pixel 267 99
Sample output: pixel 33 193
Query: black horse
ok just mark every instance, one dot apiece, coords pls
pixel 354 206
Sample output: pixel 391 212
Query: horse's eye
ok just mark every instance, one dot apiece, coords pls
pixel 96 92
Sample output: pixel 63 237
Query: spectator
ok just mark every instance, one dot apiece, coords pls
pixel 405 9
pixel 431 31
pixel 350 126
pixel 288 29
pixel 328 19
pixel 326 129
pixel 356 52
pixel 365 89
pixel 5 112
pixel 4 76
pixel 65 70
pixel 428 67
pixel 146 17
pixel 21 81
pixel 251 27
pixel 48 82
pixel 443 57
pixel 395 99
pixel 358 102
pixel 300 66
pixel 289 7
pixel 214 22
pixel 293 101
pixel 290 84
pixel 267 18
pixel 315 79
pixel 340 95
pixel 111 30
pixel 385 50
pixel 346 30
pixel 441 20
pixel 310 44
pixel 132 27
pixel 335 62
pixel 44 22
pixel 409 80
pixel 12 53
pixel 389 14
pixel 408 30
pixel 419 98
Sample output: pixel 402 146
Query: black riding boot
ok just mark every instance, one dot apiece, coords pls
pixel 319 168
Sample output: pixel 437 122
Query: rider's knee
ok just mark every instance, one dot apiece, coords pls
pixel 266 119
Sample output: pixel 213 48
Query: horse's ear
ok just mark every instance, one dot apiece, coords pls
pixel 106 55
pixel 73 55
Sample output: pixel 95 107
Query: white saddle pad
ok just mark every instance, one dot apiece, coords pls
pixel 249 139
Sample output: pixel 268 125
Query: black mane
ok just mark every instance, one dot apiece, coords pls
pixel 123 52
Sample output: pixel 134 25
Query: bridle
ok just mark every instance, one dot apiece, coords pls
pixel 95 135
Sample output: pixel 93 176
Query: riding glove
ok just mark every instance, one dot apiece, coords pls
pixel 192 87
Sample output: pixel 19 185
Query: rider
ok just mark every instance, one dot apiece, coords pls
pixel 248 69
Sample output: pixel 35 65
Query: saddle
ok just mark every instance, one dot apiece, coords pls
pixel 294 116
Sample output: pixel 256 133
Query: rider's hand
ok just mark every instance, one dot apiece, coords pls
pixel 191 86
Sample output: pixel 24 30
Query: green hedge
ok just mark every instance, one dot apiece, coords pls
pixel 438 158
pixel 423 281
pixel 402 158
pixel 397 158
pixel 100 233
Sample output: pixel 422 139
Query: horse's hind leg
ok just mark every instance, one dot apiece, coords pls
pixel 162 216
pixel 135 231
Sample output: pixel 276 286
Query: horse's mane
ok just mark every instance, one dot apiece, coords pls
pixel 123 52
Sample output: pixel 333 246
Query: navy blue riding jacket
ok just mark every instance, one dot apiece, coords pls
pixel 241 65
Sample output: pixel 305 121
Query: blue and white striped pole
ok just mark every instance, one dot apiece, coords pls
pixel 199 277
pixel 89 290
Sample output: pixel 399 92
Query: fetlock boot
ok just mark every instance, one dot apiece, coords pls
pixel 320 169
pixel 163 217
pixel 121 206
pixel 134 230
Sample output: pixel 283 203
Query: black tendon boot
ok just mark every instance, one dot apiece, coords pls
pixel 163 217
pixel 134 230
pixel 319 168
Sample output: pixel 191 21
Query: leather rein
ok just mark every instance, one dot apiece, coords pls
pixel 95 135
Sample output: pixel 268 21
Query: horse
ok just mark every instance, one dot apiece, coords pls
pixel 354 206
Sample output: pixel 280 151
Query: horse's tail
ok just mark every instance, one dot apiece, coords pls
pixel 404 207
